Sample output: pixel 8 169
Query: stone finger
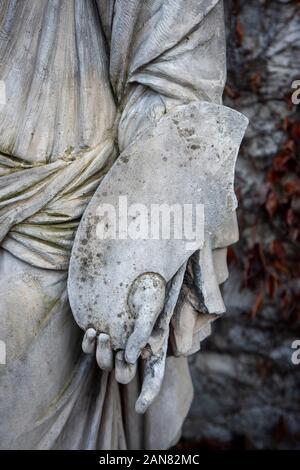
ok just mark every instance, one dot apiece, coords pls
pixel 146 301
pixel 104 353
pixel 89 341
pixel 124 372
pixel 153 378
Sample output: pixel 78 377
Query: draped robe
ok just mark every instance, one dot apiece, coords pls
pixel 83 78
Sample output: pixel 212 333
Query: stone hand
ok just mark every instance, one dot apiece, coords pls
pixel 153 309
pixel 145 301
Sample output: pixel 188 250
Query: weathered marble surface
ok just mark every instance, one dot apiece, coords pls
pixel 84 79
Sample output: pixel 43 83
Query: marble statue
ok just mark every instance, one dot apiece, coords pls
pixel 109 99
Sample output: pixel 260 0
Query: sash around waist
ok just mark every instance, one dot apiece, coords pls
pixel 41 205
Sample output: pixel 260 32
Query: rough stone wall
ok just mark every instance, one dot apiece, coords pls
pixel 247 391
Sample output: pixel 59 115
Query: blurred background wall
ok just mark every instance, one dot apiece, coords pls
pixel 247 390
